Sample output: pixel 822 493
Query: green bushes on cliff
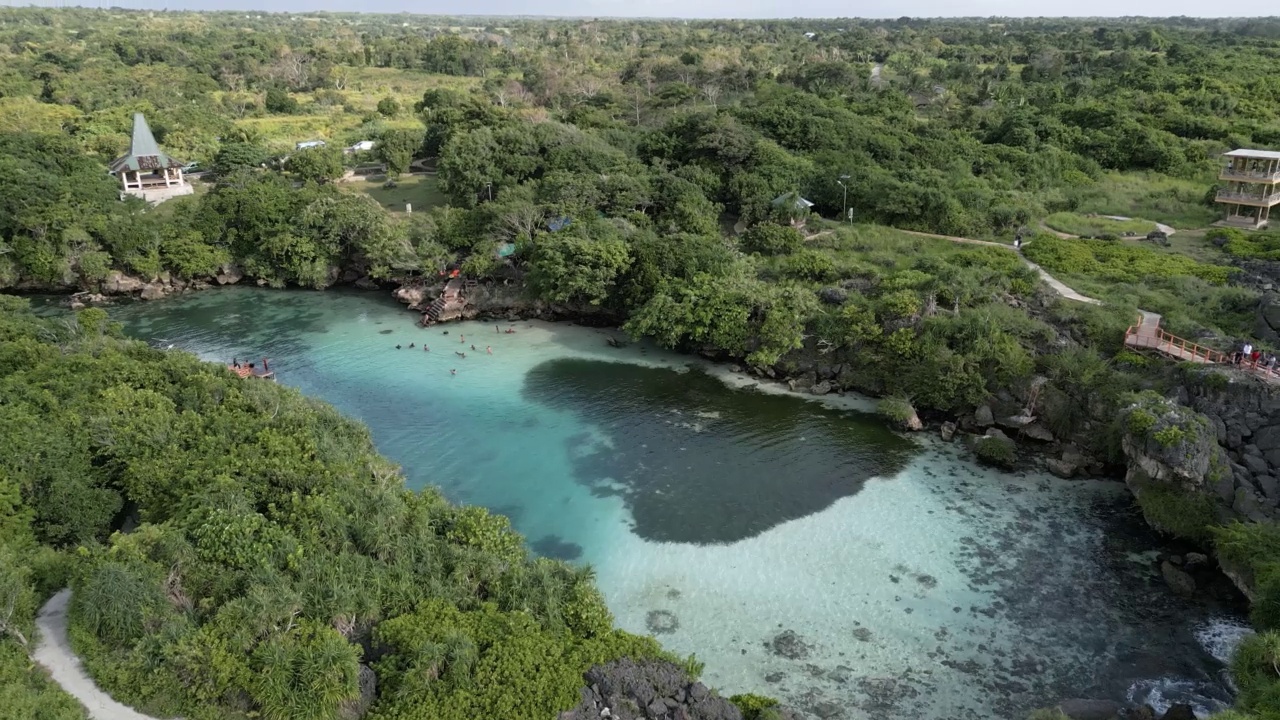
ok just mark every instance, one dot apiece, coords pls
pixel 271 545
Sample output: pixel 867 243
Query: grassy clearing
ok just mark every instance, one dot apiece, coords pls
pixel 1173 201
pixel 367 85
pixel 421 190
pixel 1076 224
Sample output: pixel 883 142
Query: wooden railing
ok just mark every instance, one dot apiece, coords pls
pixel 1182 349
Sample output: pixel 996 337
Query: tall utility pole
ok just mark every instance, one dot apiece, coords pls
pixel 846 198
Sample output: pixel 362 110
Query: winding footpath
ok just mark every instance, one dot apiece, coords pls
pixel 54 653
pixel 1057 285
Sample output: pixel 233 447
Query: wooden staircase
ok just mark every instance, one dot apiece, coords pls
pixel 1147 335
pixel 451 299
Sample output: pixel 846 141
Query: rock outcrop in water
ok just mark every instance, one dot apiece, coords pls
pixel 648 690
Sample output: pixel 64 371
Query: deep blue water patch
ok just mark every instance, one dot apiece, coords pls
pixel 699 462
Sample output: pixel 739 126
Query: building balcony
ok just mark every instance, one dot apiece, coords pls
pixel 1229 174
pixel 1256 199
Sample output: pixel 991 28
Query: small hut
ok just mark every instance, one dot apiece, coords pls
pixel 792 207
pixel 147 172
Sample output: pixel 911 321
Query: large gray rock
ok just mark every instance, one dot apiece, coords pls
pixel 154 291
pixel 117 283
pixel 1178 580
pixel 1255 464
pixel 948 430
pixel 821 388
pixel 1036 431
pixel 1267 438
pixel 647 690
pixel 229 274
pixel 983 416
pixel 1082 709
pixel 1062 468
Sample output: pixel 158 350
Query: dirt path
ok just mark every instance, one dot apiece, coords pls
pixel 54 654
pixel 1057 285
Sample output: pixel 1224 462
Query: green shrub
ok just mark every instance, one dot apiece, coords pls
pixel 1169 436
pixel 1118 262
pixel 1188 515
pixel 770 239
pixel 896 408
pixel 1255 547
pixel 754 707
pixel 809 265
pixel 1255 668
pixel 997 451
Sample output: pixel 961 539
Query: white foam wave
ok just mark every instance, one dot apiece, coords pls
pixel 1163 693
pixel 1220 636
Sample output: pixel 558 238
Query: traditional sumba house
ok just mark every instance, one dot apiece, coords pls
pixel 147 172
pixel 1251 187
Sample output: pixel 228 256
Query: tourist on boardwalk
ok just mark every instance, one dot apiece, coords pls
pixel 1255 357
pixel 1246 352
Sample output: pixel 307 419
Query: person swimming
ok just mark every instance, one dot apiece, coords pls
pixel 473 347
pixel 511 331
pixel 411 346
pixel 488 349
pixel 397 347
pixel 462 338
pixel 426 349
pixel 453 371
pixel 459 354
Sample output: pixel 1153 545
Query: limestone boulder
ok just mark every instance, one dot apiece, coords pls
pixel 948 431
pixel 822 387
pixel 647 690
pixel 1037 431
pixel 1062 468
pixel 983 416
pixel 154 291
pixel 117 283
pixel 411 295
pixel 229 274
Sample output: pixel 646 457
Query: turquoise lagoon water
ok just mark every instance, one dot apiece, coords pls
pixel 799 548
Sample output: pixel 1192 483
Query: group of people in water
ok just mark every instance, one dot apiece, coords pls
pixel 463 339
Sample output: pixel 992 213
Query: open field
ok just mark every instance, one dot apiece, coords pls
pixel 1077 224
pixel 420 190
pixel 1172 201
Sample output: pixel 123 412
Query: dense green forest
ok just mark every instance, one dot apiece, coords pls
pixel 272 552
pixel 647 174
